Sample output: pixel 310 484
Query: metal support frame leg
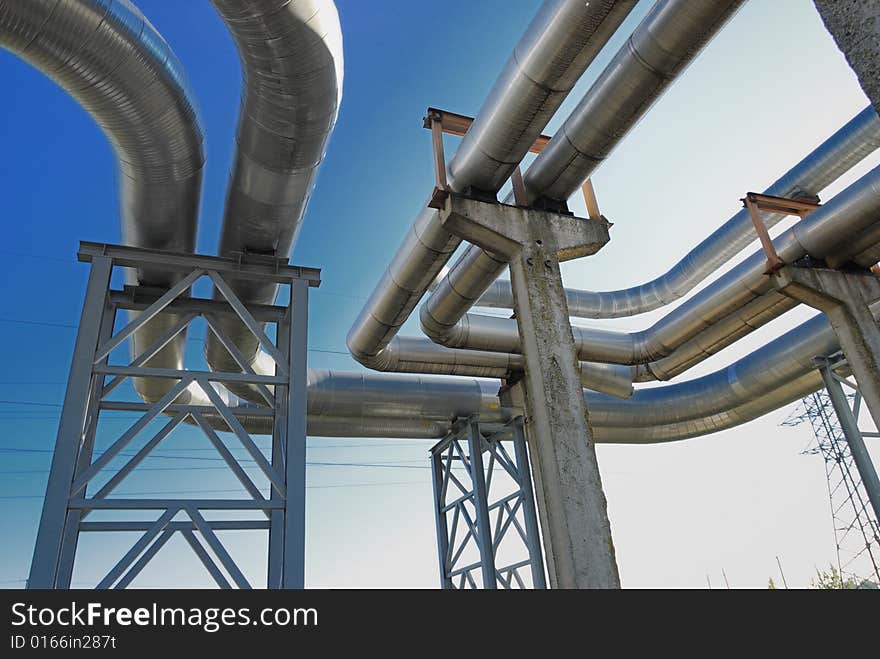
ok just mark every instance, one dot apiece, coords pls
pixel 68 500
pixel 50 535
pixel 74 517
pixel 576 529
pixel 295 439
pixel 845 298
pixel 487 527
pixel 481 503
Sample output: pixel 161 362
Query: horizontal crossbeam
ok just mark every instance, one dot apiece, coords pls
pixel 243 266
pixel 174 374
pixel 125 406
pixel 136 298
pixel 217 525
pixel 161 504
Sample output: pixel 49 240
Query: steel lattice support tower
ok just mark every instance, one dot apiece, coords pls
pixel 82 479
pixel 484 506
pixel 856 530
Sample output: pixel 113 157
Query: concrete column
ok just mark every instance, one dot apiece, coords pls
pixel 855 27
pixel 571 503
pixel 844 297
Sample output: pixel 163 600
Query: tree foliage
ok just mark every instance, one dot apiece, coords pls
pixel 831 579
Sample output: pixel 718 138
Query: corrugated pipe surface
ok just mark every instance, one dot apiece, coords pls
pixel 775 375
pixel 663 44
pixel 841 152
pixel 386 405
pixel 292 65
pixel 406 354
pixel 556 49
pixel 107 56
pixel 826 233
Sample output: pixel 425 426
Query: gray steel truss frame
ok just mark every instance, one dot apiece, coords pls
pixel 473 521
pixel 69 501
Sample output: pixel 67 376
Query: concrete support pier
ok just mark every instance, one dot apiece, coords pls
pixel 571 502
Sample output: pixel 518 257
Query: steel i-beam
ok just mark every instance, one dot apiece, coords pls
pixel 571 502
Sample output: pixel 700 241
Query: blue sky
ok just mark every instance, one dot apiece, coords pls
pixel 679 512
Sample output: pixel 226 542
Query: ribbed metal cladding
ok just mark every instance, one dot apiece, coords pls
pixel 762 373
pixel 384 405
pixel 292 65
pixel 841 152
pixel 724 311
pixel 775 375
pixel 664 43
pixel 107 56
pixel 557 47
pixel 396 405
pixel 405 354
pixel 724 420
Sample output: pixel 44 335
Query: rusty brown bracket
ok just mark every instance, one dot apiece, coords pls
pixel 441 121
pixel 434 121
pixel 755 203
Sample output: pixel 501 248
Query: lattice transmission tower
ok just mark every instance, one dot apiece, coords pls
pixel 856 530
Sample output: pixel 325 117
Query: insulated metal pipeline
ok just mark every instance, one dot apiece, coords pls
pixel 827 232
pixel 406 354
pixel 382 405
pixel 110 58
pixel 841 152
pixel 291 57
pixel 773 376
pixel 407 406
pixel 764 373
pixel 556 49
pixel 664 43
pixel 795 390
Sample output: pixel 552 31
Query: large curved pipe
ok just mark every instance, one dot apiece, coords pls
pixel 405 354
pixel 826 232
pixel 765 373
pixel 838 154
pixel 688 335
pixel 107 56
pixel 662 46
pixel 385 405
pixel 556 49
pixel 382 405
pixel 724 420
pixel 292 64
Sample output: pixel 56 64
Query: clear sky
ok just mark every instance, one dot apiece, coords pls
pixel 750 107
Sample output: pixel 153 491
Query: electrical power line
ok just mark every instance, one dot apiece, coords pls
pixel 24 321
pixel 382 465
pixel 223 491
pixel 31 403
